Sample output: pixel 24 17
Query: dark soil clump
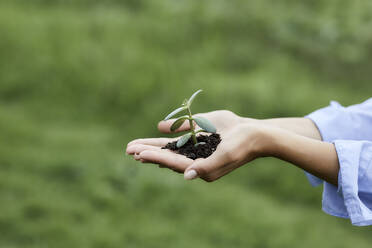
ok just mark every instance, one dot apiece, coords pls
pixel 201 151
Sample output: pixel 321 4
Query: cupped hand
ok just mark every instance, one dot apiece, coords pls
pixel 222 120
pixel 241 143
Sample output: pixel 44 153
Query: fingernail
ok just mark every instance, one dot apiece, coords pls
pixel 191 174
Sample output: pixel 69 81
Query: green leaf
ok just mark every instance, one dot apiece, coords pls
pixel 205 124
pixel 177 123
pixel 193 97
pixel 183 140
pixel 175 112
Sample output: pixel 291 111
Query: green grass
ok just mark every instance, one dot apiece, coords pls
pixel 79 79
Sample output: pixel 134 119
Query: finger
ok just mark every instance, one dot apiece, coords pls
pixel 164 126
pixel 144 161
pixel 204 167
pixel 138 148
pixel 149 162
pixel 169 159
pixel 151 141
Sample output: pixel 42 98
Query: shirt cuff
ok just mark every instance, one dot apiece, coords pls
pixel 353 196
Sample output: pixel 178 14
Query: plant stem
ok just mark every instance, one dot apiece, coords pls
pixel 192 126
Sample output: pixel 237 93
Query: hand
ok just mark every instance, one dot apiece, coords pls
pixel 240 144
pixel 222 119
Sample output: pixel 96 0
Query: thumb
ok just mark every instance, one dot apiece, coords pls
pixel 203 167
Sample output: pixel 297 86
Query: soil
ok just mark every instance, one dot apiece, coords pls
pixel 201 151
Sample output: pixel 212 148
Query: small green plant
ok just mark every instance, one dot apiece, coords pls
pixel 205 124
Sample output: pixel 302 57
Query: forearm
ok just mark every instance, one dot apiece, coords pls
pixel 301 126
pixel 314 156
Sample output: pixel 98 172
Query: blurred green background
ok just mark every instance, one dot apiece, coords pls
pixel 80 78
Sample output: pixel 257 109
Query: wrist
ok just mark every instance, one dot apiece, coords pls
pixel 265 143
pixel 259 140
pixel 276 142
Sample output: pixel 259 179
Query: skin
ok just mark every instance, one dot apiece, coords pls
pixel 295 140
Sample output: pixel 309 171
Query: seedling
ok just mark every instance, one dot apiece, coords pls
pixel 205 124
